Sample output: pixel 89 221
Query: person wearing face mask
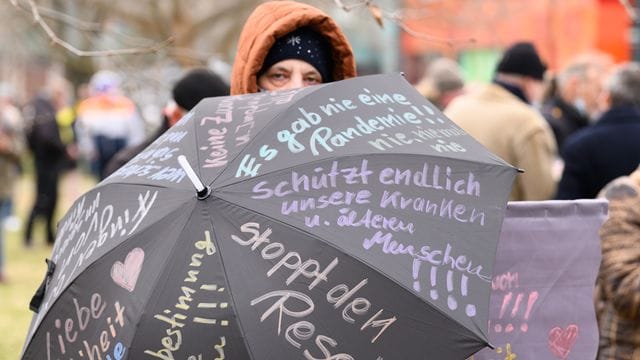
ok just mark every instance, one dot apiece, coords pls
pixel 501 118
pixel 572 106
pixel 609 148
pixel 287 45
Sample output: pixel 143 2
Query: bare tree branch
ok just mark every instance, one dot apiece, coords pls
pixel 70 20
pixel 88 26
pixel 35 13
pixel 399 18
pixel 189 53
pixel 399 21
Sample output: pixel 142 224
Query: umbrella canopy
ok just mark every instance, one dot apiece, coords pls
pixel 341 221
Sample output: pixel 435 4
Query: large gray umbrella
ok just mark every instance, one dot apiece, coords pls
pixel 342 221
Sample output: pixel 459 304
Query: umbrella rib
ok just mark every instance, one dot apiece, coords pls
pixel 101 185
pixel 230 292
pixel 164 263
pixel 340 250
pixel 313 90
pixel 257 177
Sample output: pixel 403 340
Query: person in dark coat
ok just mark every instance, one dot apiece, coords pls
pixel 572 104
pixel 563 116
pixel 196 85
pixel 49 153
pixel 611 147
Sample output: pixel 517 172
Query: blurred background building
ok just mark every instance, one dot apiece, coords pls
pixel 475 31
pixel 170 36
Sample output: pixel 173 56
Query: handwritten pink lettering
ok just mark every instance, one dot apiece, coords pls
pixel 217 153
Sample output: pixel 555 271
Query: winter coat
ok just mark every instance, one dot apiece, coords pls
pixel 127 154
pixel 600 153
pixel 618 286
pixel 515 132
pixel 564 119
pixel 274 19
pixel 43 135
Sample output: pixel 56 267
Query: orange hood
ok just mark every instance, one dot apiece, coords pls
pixel 270 21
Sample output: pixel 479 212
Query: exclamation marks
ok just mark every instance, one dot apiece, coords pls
pixel 417 110
pixel 524 327
pixel 452 302
pixel 433 277
pixel 516 306
pixel 505 302
pixel 470 309
pixel 212 305
pixel 503 308
pixel 533 296
pixel 434 292
pixel 432 113
pixel 416 270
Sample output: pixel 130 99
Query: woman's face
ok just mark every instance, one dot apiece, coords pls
pixel 289 74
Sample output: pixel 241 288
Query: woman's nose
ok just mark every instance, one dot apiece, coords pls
pixel 295 82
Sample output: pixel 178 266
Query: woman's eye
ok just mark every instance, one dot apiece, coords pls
pixel 278 76
pixel 312 80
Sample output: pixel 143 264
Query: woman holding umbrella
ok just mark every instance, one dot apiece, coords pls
pixel 286 45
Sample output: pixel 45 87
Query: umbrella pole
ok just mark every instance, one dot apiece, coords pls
pixel 202 191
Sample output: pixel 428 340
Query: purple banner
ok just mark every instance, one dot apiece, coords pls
pixel 543 283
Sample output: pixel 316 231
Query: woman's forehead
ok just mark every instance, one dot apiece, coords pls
pixel 293 64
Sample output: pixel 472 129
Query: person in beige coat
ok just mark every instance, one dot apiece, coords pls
pixel 500 118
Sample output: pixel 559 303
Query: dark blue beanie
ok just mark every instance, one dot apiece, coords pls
pixel 302 44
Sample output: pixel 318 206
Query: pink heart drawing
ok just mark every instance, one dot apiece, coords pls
pixel 561 341
pixel 126 275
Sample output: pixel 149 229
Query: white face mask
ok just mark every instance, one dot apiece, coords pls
pixel 581 106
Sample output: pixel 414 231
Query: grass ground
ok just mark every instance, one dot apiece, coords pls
pixel 25 268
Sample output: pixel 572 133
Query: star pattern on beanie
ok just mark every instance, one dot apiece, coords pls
pixel 294 40
pixel 302 44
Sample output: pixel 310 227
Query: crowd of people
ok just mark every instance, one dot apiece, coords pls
pixel 574 132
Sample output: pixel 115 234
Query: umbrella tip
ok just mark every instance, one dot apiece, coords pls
pixel 202 191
